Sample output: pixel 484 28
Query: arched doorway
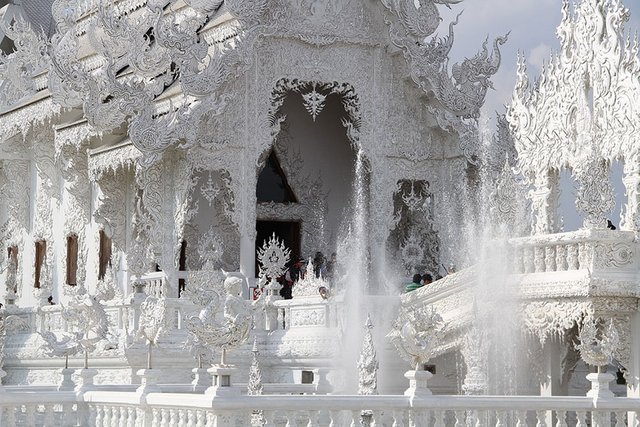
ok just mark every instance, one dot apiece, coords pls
pixel 305 188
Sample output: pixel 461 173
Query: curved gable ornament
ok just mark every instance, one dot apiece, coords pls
pixel 462 90
pixel 157 50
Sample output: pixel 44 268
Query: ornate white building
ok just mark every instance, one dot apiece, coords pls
pixel 153 140
pixel 149 147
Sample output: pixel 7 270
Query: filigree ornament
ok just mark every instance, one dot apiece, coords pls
pixel 595 197
pixel 414 240
pixel 347 93
pixel 583 107
pixel 19 68
pixel 506 203
pixel 309 285
pixel 314 102
pixel 598 342
pixel 412 252
pixel 210 248
pixel 475 349
pixel 273 257
pixel 254 385
pixel 414 200
pixel 210 191
pixel 107 289
pixel 551 319
pixel 153 320
pixel 416 334
pixel 368 363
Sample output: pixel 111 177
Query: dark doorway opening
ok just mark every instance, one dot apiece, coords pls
pixel 272 183
pixel 289 231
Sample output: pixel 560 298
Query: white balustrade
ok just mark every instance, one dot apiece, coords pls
pixel 155 284
pixel 595 250
pixel 108 408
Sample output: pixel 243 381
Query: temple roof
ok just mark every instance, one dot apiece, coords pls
pixel 38 13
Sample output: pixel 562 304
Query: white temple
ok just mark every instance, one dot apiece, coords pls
pixel 163 162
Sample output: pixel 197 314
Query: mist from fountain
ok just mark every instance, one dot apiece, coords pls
pixel 495 334
pixel 353 257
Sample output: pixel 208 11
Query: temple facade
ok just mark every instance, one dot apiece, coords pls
pixel 162 164
pixel 155 144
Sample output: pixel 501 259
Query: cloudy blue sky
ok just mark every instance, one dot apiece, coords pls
pixel 532 24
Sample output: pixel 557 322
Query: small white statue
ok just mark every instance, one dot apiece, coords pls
pixel 228 328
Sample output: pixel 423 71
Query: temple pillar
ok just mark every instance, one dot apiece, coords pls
pixel 551 375
pixel 544 202
pixel 245 193
pixel 248 254
pixel 381 213
pixel 631 215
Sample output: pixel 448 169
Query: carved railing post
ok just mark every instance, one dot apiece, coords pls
pixel 474 348
pixel 544 202
pixel 631 179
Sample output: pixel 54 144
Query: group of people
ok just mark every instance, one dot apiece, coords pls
pixel 321 266
pixel 419 280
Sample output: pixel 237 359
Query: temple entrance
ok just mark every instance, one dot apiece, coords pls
pixel 305 186
pixel 289 231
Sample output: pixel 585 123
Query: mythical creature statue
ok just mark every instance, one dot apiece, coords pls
pixel 225 328
pixel 87 324
pixel 152 325
pixel 598 342
pixel 416 334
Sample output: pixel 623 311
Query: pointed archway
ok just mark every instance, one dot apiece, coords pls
pixel 273 185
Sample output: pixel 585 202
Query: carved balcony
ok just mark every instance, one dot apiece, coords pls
pixel 557 279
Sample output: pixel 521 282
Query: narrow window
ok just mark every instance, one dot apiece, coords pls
pixel 12 280
pixel 104 255
pixel 182 265
pixel 41 250
pixel 72 259
pixel 13 254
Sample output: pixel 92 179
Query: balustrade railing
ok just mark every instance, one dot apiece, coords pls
pixel 107 408
pixel 579 250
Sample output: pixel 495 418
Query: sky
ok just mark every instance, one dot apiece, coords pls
pixel 533 32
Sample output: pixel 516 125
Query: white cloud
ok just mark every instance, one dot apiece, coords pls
pixel 538 56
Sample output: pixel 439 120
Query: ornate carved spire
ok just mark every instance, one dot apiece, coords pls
pixel 368 363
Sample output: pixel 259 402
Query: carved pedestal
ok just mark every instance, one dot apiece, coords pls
pixel 222 386
pixel 475 382
pixel 320 379
pixel 86 379
pixel 148 381
pixel 418 383
pixel 271 311
pixel 600 385
pixel 66 383
pixel 201 379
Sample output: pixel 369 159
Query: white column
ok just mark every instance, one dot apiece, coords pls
pixel 551 378
pixel 631 179
pixel 544 202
